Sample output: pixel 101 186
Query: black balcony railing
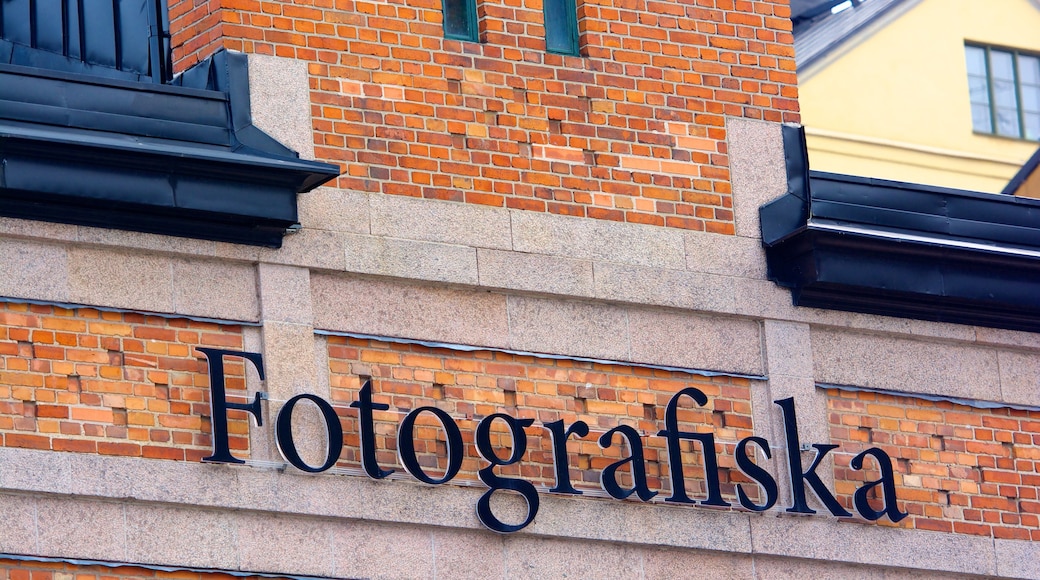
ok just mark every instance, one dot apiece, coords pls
pixel 126 39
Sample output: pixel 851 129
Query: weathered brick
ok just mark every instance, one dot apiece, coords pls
pixel 945 455
pixel 377 68
pixel 471 385
pixel 29 570
pixel 90 391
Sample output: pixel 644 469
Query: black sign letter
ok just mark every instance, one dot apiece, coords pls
pixel 608 478
pixel 219 404
pixel 707 441
pixel 888 488
pixel 487 474
pixel 560 463
pixel 406 446
pixel 284 437
pixel 365 406
pixel 752 470
pixel 799 477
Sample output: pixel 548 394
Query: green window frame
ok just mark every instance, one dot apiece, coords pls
pixel 460 20
pixel 1004 90
pixel 561 26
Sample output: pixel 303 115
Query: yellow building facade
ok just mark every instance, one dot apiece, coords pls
pixel 885 92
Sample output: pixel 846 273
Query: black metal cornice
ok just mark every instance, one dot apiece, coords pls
pixel 181 160
pixel 900 249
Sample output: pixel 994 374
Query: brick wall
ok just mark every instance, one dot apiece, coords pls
pixel 634 130
pixel 111 383
pixel 18 570
pixel 960 469
pixel 120 383
pixel 473 385
pixel 196 30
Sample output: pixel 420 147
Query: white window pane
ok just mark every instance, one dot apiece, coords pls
pixel 1032 125
pixel 1029 70
pixel 1031 98
pixel 979 90
pixel 976 58
pixel 980 120
pixel 1002 67
pixel 1004 94
pixel 1007 122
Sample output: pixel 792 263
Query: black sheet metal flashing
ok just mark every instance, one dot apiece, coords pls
pixel 899 249
pixel 128 39
pixel 181 159
pixel 1023 174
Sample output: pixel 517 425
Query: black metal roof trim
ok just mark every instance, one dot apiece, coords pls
pixel 899 249
pixel 1023 174
pixel 124 39
pixel 181 160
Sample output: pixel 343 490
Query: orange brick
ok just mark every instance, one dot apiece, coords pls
pixel 91 412
pixel 27 441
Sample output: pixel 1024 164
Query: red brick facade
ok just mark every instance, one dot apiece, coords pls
pixel 633 130
pixel 115 383
pixel 473 385
pixel 110 383
pixel 28 570
pixel 963 470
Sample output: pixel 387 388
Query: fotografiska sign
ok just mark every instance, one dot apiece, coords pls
pixel 800 477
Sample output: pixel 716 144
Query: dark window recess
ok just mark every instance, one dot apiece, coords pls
pixel 561 26
pixel 94 132
pixel 460 20
pixel 900 249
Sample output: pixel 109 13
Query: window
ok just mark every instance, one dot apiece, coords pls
pixel 1005 91
pixel 561 26
pixel 460 20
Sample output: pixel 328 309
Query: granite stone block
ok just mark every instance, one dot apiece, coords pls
pixel 529 557
pixel 285 292
pixel 409 259
pixel 34 270
pixel 310 248
pixel 665 564
pixel 827 539
pixel 121 279
pixel 1017 558
pixel 600 240
pixel 675 338
pixel 440 221
pixel 80 528
pixel 756 160
pixel 215 289
pixel 285 544
pixel 904 364
pixel 18 532
pixel 279 101
pixel 725 255
pixel 389 308
pixel 1020 377
pixel 567 327
pixel 145 241
pixel 173 536
pixel 332 209
pixel 660 287
pixel 534 273
pixel 377 550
